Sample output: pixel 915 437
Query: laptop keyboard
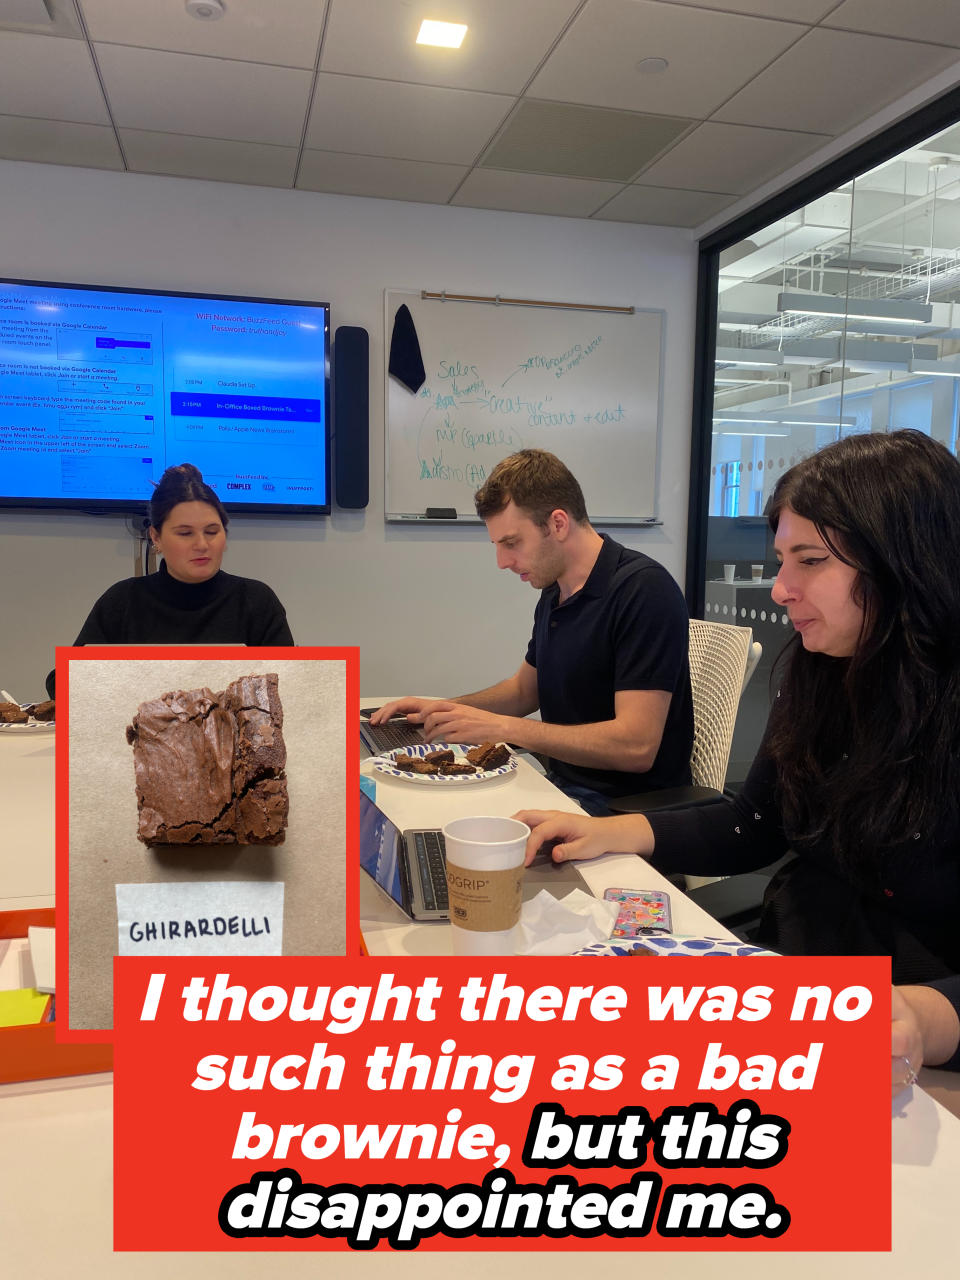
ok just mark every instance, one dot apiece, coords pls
pixel 395 733
pixel 432 863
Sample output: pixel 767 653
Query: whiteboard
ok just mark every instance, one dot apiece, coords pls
pixel 583 384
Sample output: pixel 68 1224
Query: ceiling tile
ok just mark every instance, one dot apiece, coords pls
pixel 374 176
pixel 53 79
pixel 206 97
pixel 533 193
pixel 732 158
pixel 581 142
pixel 711 55
pixel 407 121
pixel 662 206
pixel 60 19
pixel 92 146
pixel 787 10
pixel 284 32
pixel 832 80
pixel 215 158
pixel 503 46
pixel 931 20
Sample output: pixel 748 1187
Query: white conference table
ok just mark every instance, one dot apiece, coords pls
pixel 387 931
pixel 27 870
pixel 56 1146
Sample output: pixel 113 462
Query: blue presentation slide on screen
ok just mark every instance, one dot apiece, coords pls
pixel 101 391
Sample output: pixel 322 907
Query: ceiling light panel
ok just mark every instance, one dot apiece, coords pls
pixel 816 304
pixel 442 35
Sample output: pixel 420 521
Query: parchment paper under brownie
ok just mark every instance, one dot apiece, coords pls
pixel 210 766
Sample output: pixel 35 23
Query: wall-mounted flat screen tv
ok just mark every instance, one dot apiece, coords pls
pixel 102 389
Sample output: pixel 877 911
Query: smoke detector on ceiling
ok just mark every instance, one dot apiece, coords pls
pixel 205 10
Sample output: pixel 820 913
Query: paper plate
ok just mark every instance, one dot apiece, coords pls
pixel 673 944
pixel 32 726
pixel 382 765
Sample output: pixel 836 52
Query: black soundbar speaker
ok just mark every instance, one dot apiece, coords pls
pixel 351 416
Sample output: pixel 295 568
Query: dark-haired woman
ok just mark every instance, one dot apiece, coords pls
pixel 190 600
pixel 859 771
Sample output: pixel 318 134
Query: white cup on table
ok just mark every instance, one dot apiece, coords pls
pixel 484 882
pixel 729 572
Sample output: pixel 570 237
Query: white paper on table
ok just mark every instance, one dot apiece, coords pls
pixel 42 941
pixel 206 918
pixel 558 927
pixel 16 971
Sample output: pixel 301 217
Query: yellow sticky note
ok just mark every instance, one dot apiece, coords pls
pixel 22 1008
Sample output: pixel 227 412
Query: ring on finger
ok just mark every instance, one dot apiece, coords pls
pixel 910 1077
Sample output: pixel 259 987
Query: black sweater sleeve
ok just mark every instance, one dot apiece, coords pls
pixel 104 623
pixel 726 836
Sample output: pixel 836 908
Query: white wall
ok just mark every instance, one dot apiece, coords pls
pixel 426 606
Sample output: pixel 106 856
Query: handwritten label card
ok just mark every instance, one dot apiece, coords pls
pixel 226 918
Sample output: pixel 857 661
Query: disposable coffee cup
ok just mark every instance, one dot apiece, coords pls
pixel 729 572
pixel 756 572
pixel 484 881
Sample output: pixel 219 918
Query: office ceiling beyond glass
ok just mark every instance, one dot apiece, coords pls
pixel 841 317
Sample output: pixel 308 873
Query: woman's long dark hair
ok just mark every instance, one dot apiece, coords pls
pixel 867 746
pixel 182 484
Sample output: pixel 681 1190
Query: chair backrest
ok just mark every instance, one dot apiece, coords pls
pixel 722 659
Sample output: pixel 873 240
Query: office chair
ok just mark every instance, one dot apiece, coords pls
pixel 722 660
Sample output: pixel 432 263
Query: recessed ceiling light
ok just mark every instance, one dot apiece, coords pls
pixel 652 66
pixel 446 35
pixel 205 10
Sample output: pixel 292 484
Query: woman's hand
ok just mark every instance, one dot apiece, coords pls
pixel 906 1044
pixel 574 835
pixel 924 1028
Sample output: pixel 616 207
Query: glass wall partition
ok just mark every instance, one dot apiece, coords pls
pixel 838 316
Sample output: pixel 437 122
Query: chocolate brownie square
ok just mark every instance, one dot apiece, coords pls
pixel 210 766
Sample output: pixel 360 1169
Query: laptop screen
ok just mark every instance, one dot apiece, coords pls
pixel 379 848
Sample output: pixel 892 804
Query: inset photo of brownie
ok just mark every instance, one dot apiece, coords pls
pixel 207 813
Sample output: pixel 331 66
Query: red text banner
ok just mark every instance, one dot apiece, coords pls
pixel 313 1104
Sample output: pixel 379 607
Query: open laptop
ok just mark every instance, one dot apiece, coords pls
pixel 407 865
pixel 410 866
pixel 376 738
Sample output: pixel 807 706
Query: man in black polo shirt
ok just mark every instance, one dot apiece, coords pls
pixel 607 663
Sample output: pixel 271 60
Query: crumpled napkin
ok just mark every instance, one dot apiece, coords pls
pixel 552 926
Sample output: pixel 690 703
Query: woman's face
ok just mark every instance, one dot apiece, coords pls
pixel 816 589
pixel 192 541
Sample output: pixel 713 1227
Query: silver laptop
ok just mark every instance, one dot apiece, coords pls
pixel 410 866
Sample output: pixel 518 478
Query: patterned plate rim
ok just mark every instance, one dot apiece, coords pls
pixel 624 946
pixel 439 779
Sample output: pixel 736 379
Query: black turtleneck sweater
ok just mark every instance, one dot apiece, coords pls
pixel 157 609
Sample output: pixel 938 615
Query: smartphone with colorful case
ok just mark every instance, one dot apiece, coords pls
pixel 642 911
